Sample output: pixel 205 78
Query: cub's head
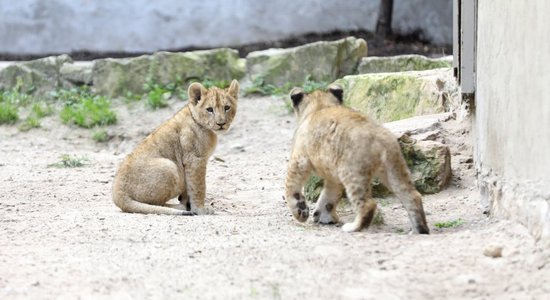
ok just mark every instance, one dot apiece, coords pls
pixel 304 104
pixel 213 108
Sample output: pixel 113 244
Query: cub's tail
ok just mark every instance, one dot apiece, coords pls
pixel 129 205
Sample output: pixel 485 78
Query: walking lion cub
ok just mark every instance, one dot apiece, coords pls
pixel 171 161
pixel 347 150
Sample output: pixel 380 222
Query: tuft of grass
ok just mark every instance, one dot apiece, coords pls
pixel 30 123
pixel 8 113
pixel 67 161
pixel 85 109
pixel 449 224
pixel 100 135
pixel 259 87
pixel 38 111
pixel 310 85
pixel 10 101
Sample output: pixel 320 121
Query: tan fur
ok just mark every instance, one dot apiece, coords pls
pixel 171 161
pixel 347 150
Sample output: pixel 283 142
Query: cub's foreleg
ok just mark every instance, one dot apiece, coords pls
pixel 299 169
pixel 195 174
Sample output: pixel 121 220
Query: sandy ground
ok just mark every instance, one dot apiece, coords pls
pixel 61 237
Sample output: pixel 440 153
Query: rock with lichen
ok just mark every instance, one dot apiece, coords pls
pixel 117 77
pixel 402 63
pixel 387 97
pixel 320 61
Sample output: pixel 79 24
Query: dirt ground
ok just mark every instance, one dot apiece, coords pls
pixel 61 237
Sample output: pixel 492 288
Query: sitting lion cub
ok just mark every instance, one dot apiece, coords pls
pixel 171 161
pixel 347 149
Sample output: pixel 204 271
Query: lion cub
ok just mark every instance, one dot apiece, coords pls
pixel 171 161
pixel 347 149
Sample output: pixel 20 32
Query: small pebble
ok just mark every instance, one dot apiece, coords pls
pixel 493 251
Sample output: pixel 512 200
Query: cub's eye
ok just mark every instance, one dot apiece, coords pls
pixel 227 107
pixel 209 109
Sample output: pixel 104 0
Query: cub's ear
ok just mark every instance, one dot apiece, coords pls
pixel 234 89
pixel 195 92
pixel 337 91
pixel 297 94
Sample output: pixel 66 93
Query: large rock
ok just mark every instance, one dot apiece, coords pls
pixel 402 63
pixel 117 77
pixel 388 97
pixel 77 73
pixel 36 76
pixel 428 159
pixel 321 61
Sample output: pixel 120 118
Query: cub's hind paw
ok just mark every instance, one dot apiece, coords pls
pixel 350 227
pixel 202 211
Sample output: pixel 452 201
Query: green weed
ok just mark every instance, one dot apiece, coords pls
pixel 449 224
pixel 66 161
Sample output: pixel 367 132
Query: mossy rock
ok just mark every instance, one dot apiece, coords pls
pixel 77 73
pixel 388 97
pixel 117 77
pixel 401 63
pixel 320 61
pixel 36 76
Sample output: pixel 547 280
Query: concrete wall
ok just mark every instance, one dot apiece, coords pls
pixel 39 26
pixel 512 116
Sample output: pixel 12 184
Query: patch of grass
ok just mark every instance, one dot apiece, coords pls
pixel 100 135
pixel 30 123
pixel 10 101
pixel 67 161
pixel 259 87
pixel 310 85
pixel 85 109
pixel 41 110
pixel 38 111
pixel 449 224
pixel 8 113
pixel 157 96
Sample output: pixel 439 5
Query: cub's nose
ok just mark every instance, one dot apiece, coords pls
pixel 221 124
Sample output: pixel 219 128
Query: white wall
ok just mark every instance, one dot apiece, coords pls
pixel 40 26
pixel 512 117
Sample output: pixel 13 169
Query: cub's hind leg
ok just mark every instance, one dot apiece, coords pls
pixel 399 181
pixel 145 187
pixel 359 193
pixel 325 211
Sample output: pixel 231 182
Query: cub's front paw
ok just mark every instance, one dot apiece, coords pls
pixel 202 210
pixel 301 211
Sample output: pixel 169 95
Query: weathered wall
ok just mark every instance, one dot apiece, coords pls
pixel 512 117
pixel 38 27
